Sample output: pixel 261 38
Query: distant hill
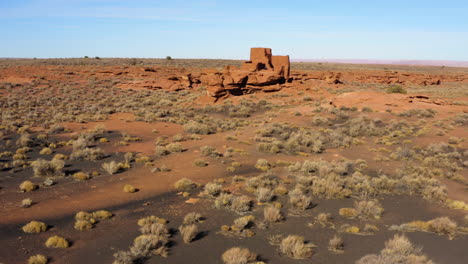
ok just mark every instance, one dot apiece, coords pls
pixel 391 62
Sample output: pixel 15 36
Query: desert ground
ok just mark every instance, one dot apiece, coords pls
pixel 100 163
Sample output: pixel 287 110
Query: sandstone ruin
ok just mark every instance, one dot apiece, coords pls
pixel 262 72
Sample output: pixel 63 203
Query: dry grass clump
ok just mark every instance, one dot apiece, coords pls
pixel 200 163
pixel 56 242
pixel 27 186
pixel 129 188
pixel 238 256
pixel 102 215
pixel 336 244
pixel 295 247
pixel 44 168
pixel 272 214
pixel 91 154
pixel 185 184
pixel 34 227
pixel 46 151
pixel 324 219
pixel 81 176
pixel 397 250
pixel 369 209
pixel 242 223
pixel 38 259
pixel 264 194
pixel 25 203
pixel 86 221
pixel 444 226
pixel 175 147
pixel 299 200
pixel 188 232
pixel 83 225
pixel 263 165
pixel 194 127
pixel 241 204
pixel 111 167
pixel 209 151
pixel 192 218
pixel 151 220
pixel 213 189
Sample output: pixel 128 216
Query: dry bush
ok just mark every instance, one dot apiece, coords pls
pixel 238 256
pixel 300 200
pixel 213 189
pixel 56 242
pixel 81 176
pixel 241 204
pixel 242 223
pixel 44 168
pixel 369 209
pixel 144 244
pixel 157 229
pixel 37 259
pixel 336 244
pixel 83 225
pixel 209 151
pixel 348 212
pixel 91 154
pixel 443 225
pixel 192 218
pixel 46 151
pixel 151 220
pixel 263 165
pixel 295 247
pixel 397 250
pixel 129 188
pixel 160 151
pixel 272 214
pixel 110 167
pixel 123 257
pixel 185 184
pixel 27 186
pixel 175 147
pixel 102 215
pixel 200 163
pixel 188 232
pixel 26 202
pixel 194 127
pixel 34 227
pixel 324 219
pixel 264 194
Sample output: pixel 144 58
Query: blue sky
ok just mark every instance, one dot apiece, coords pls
pixel 339 29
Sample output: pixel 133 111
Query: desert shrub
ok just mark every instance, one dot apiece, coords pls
pixel 102 215
pixel 91 154
pixel 156 229
pixel 160 151
pixel 188 232
pixel 242 223
pixel 25 140
pixel 241 204
pixel 295 247
pixel 144 244
pixel 336 244
pixel 129 188
pixel 238 256
pixel 37 259
pixel 369 209
pixel 300 200
pixel 185 184
pixel 200 163
pixel 396 89
pixel 44 168
pixel 34 227
pixel 324 219
pixel 26 202
pixel 263 165
pixel 192 218
pixel 175 147
pixel 46 151
pixel 123 257
pixel 272 214
pixel 111 167
pixel 397 250
pixel 81 176
pixel 27 186
pixel 151 220
pixel 443 225
pixel 209 151
pixel 264 194
pixel 56 242
pixel 224 200
pixel 348 212
pixel 83 225
pixel 194 127
pixel 213 189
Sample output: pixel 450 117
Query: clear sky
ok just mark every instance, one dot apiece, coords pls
pixel 340 29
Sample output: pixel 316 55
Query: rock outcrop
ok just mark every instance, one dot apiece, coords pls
pixel 262 72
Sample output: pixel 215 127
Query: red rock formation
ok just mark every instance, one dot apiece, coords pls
pixel 262 72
